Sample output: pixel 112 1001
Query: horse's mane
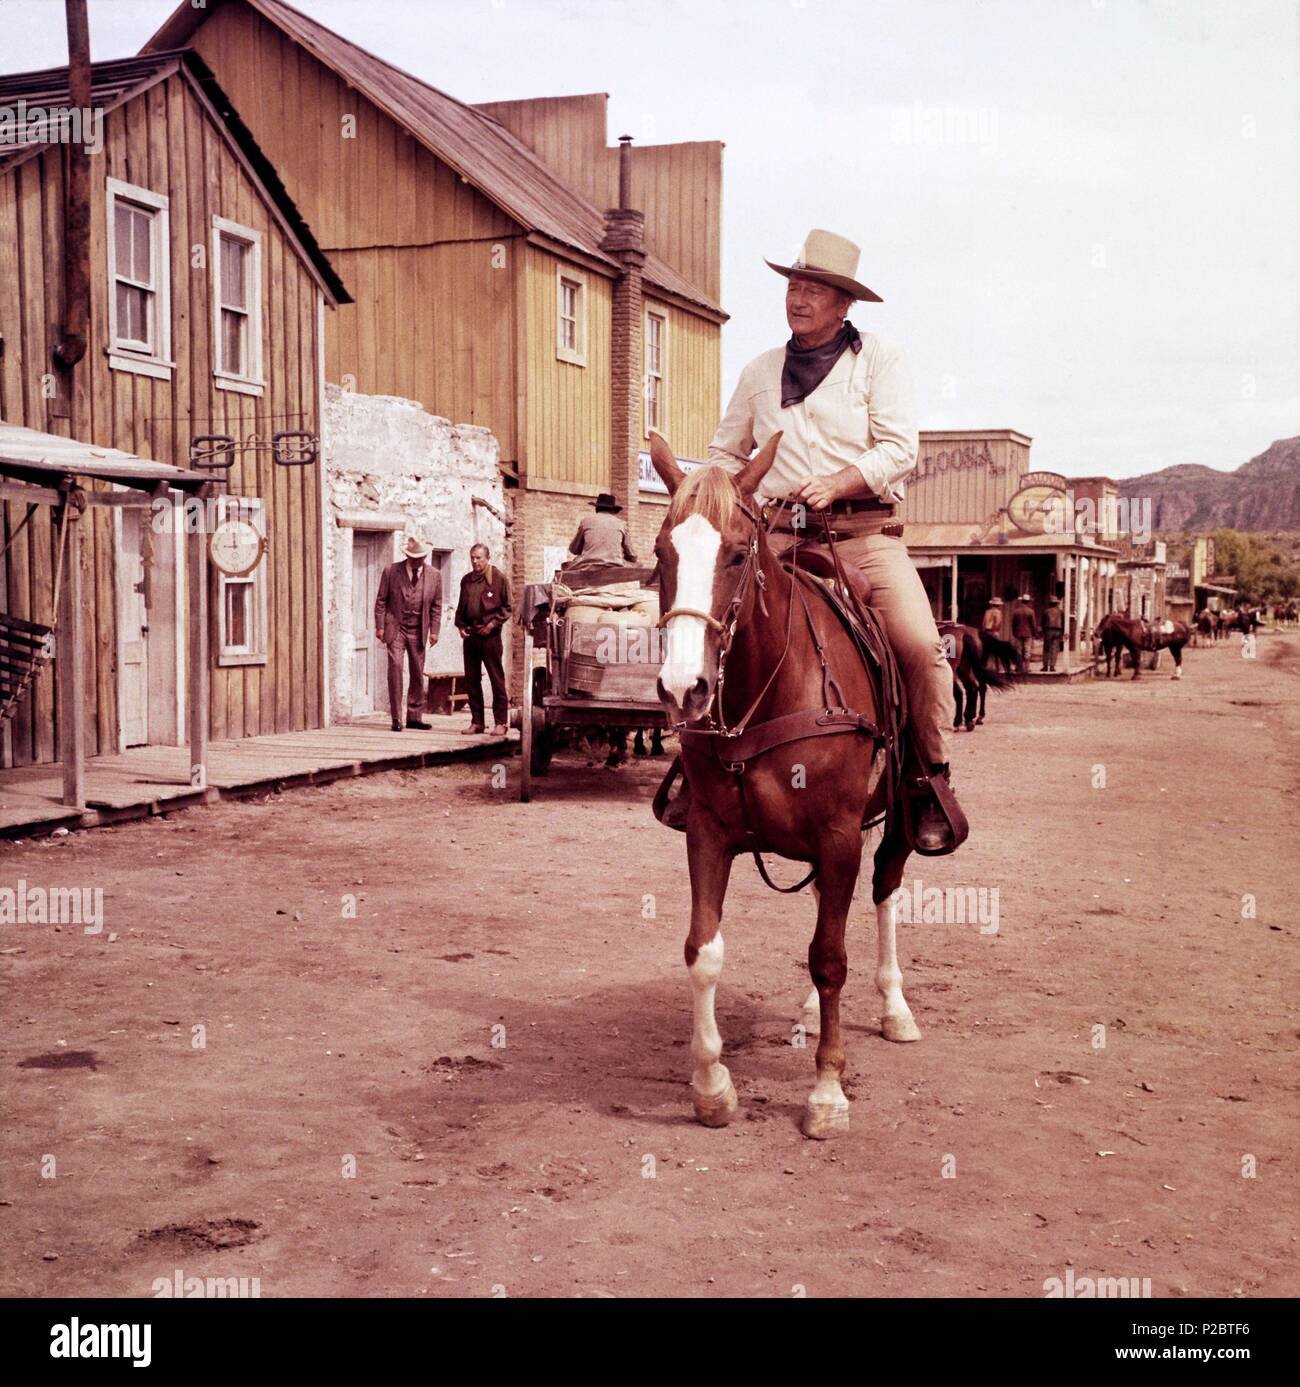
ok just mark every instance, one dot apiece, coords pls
pixel 708 492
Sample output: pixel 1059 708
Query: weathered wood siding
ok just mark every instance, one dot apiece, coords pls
pixel 964 475
pixel 427 258
pixel 163 140
pixel 677 186
pixel 568 413
pixel 692 381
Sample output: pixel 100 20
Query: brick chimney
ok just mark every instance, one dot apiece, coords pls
pixel 624 240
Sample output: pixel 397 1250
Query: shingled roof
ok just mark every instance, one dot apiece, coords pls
pixel 474 144
pixel 112 84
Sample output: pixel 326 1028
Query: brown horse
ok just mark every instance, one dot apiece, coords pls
pixel 1119 633
pixel 748 644
pixel 969 652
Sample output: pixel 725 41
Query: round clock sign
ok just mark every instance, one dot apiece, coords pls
pixel 236 547
pixel 1039 505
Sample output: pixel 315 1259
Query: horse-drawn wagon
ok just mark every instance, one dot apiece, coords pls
pixel 597 626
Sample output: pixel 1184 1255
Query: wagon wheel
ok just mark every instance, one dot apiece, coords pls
pixel 526 724
pixel 543 739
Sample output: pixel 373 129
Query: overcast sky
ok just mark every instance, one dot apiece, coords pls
pixel 1083 215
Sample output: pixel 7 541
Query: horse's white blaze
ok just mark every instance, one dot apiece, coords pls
pixel 710 1077
pixel 697 544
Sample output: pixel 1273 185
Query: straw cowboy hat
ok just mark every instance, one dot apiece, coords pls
pixel 995 601
pixel 605 502
pixel 416 548
pixel 831 259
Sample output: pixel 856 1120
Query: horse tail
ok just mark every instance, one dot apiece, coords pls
pixel 1006 655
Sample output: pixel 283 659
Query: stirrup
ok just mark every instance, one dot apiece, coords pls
pixel 934 790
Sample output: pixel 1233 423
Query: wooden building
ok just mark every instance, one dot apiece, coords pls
pixel 207 295
pixel 510 269
pixel 980 524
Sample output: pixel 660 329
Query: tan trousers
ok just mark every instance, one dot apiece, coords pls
pixel 898 598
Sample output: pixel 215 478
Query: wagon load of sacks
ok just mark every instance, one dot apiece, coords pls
pixel 612 644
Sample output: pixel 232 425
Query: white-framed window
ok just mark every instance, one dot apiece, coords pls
pixel 237 307
pixel 655 361
pixel 571 323
pixel 139 281
pixel 241 602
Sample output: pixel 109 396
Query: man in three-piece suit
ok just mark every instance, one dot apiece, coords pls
pixel 408 617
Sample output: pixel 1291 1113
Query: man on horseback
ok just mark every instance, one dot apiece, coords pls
pixel 844 403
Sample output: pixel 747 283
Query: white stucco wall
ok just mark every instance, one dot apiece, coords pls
pixel 391 465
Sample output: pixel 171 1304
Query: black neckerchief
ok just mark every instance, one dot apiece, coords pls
pixel 806 367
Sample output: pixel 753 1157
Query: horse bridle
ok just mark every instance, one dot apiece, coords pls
pixel 726 628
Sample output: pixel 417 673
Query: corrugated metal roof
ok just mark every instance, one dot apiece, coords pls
pixel 476 146
pixel 110 85
pixel 32 455
pixel 116 82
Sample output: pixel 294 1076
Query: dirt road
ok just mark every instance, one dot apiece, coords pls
pixel 474 1083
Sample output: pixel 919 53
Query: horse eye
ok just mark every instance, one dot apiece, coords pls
pixel 736 559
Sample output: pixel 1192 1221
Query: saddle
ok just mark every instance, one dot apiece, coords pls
pixel 817 571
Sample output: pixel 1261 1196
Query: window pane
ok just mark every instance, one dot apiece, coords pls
pixel 234 258
pixel 141 247
pixel 238 605
pixel 569 334
pixel 122 238
pixel 232 342
pixel 133 313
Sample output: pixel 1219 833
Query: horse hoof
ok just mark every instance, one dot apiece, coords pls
pixel 822 1121
pixel 716 1110
pixel 900 1028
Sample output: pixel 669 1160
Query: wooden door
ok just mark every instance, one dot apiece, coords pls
pixel 133 623
pixel 370 554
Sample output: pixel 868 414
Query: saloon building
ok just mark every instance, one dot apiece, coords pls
pixel 981 524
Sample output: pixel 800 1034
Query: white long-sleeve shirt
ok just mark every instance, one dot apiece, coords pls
pixel 862 415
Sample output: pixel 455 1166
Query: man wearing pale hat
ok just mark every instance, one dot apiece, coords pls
pixel 408 617
pixel 602 537
pixel 843 401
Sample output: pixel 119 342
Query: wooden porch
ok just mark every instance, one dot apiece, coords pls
pixel 151 780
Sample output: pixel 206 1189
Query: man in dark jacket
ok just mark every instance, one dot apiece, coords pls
pixel 1053 631
pixel 602 538
pixel 408 617
pixel 482 611
pixel 1024 626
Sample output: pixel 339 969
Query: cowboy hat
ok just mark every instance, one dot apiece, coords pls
pixel 606 502
pixel 416 548
pixel 829 259
pixel 995 601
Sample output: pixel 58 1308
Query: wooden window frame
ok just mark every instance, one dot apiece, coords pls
pixel 251 508
pixel 661 317
pixel 576 355
pixel 123 356
pixel 252 381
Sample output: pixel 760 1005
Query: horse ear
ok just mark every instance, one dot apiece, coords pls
pixel 665 463
pixel 753 472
